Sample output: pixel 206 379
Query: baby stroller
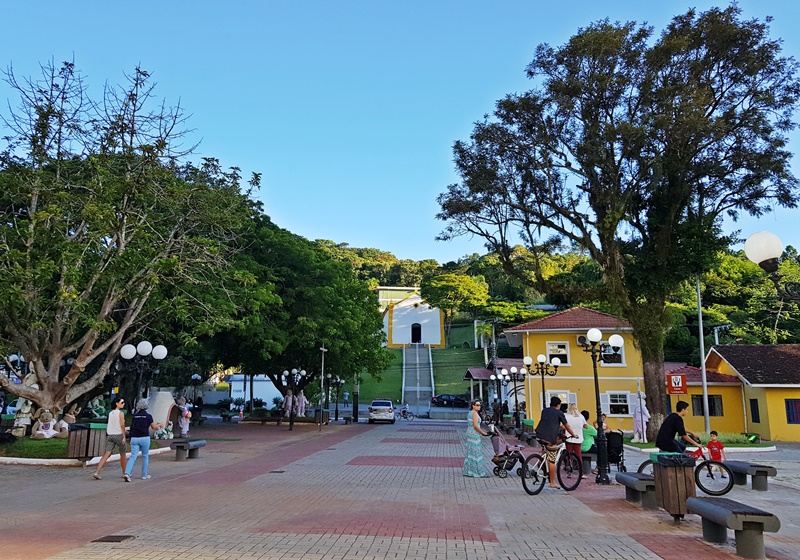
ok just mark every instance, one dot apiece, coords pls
pixel 505 456
pixel 616 450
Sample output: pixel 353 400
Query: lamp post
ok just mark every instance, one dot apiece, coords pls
pixel 195 380
pixel 292 380
pixel 542 368
pixel 515 376
pixel 336 383
pixel 764 249
pixel 594 336
pixel 322 386
pixel 143 359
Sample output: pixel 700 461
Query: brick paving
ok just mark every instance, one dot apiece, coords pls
pixel 350 492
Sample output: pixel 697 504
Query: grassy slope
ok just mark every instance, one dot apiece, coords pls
pixel 449 366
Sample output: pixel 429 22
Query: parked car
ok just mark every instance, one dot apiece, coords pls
pixel 450 400
pixel 381 409
pixel 12 407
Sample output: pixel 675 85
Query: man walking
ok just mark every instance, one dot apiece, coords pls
pixel 346 398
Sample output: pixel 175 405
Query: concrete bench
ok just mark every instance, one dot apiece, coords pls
pixel 347 419
pixel 187 447
pixel 640 488
pixel 759 474
pixel 748 523
pixel 587 461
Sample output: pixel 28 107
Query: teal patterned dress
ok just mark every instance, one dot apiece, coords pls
pixel 473 462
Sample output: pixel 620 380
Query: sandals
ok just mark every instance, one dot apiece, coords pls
pixel 97 476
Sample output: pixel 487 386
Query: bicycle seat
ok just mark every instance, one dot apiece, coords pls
pixel 544 441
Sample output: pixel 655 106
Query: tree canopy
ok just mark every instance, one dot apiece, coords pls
pixel 102 229
pixel 633 147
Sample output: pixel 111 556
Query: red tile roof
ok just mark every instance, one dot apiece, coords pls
pixel 578 318
pixel 762 364
pixel 694 375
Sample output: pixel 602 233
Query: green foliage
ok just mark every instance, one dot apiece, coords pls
pixel 632 148
pixel 104 231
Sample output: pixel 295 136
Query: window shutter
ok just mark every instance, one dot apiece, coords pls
pixel 604 403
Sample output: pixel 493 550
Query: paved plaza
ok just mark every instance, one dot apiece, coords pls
pixel 351 492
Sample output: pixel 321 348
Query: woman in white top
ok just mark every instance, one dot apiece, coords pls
pixel 115 437
pixel 577 422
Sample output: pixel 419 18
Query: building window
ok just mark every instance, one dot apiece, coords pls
pixel 714 405
pixel 793 411
pixel 610 358
pixel 616 404
pixel 558 350
pixel 755 414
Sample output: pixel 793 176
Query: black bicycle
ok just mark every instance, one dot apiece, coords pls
pixel 712 477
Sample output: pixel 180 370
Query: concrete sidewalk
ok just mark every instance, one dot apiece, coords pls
pixel 349 492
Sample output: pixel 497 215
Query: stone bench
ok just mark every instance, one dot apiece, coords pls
pixel 187 448
pixel 759 474
pixel 748 523
pixel 587 461
pixel 640 488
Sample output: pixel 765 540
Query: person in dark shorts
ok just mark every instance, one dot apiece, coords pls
pixel 673 426
pixel 551 422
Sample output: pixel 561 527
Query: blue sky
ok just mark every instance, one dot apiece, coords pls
pixel 348 108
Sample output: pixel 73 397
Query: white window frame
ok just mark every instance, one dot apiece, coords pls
pixel 605 403
pixel 572 398
pixel 605 348
pixel 565 360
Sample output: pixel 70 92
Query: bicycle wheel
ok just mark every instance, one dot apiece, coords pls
pixel 646 467
pixel 409 416
pixel 713 478
pixel 533 474
pixel 569 471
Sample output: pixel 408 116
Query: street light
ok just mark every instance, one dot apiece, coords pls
pixel 505 379
pixel 292 381
pixel 143 359
pixel 542 368
pixel 764 249
pixel 322 385
pixel 195 380
pixel 336 383
pixel 615 341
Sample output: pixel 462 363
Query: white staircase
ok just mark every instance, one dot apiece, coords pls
pixel 417 378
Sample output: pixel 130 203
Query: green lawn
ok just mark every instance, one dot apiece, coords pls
pixel 449 367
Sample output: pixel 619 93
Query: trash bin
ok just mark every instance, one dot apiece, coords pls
pixel 86 441
pixel 326 416
pixel 674 478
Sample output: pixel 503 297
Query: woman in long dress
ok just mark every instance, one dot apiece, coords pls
pixel 473 462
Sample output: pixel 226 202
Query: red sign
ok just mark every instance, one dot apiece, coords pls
pixel 676 384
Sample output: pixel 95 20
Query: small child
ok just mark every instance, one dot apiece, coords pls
pixel 717 450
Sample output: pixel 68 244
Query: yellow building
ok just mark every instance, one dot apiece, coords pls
pixel 561 336
pixel 769 397
pixel 725 410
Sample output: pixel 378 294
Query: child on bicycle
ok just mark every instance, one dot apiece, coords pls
pixel 717 450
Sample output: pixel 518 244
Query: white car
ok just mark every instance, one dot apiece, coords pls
pixel 381 409
pixel 12 407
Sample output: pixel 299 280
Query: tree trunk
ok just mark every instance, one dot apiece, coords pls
pixel 649 322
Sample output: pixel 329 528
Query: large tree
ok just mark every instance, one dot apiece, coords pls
pixel 315 300
pixel 634 147
pixel 104 231
pixel 453 293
